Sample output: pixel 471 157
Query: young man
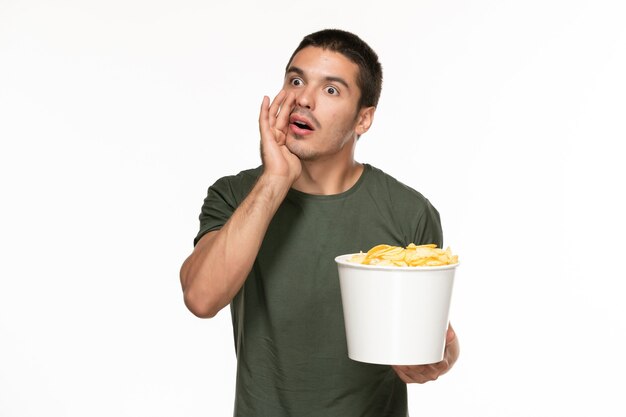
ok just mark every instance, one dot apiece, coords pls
pixel 268 238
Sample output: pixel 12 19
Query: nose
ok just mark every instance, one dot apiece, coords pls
pixel 305 98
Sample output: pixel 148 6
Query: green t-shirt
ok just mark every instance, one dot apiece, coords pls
pixel 288 326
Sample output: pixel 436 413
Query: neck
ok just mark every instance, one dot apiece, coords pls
pixel 328 177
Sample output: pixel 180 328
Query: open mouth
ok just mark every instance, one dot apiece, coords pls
pixel 302 125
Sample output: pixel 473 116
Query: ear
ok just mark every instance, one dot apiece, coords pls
pixel 365 118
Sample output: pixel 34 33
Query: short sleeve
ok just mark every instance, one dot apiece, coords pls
pixel 222 199
pixel 428 228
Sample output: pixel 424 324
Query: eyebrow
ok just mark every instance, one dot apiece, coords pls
pixel 330 78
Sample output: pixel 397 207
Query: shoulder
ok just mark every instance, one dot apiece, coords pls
pixel 222 199
pixel 242 178
pixel 384 184
pixel 237 186
pixel 407 211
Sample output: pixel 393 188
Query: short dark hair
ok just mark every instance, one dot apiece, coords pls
pixel 370 77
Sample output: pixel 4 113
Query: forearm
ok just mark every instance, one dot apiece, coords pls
pixel 222 260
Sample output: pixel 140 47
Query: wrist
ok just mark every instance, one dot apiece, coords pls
pixel 274 187
pixel 276 182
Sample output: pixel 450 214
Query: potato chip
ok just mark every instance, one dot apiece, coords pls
pixel 412 255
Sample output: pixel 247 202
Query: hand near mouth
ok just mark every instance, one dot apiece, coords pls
pixel 273 126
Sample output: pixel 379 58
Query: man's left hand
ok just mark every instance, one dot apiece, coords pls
pixel 424 373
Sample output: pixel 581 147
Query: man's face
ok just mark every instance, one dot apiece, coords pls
pixel 326 116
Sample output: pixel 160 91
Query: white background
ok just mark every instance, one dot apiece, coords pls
pixel 116 116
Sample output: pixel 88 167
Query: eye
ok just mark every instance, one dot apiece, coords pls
pixel 332 90
pixel 296 82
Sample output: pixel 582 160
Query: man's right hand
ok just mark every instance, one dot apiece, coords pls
pixel 278 161
pixel 221 261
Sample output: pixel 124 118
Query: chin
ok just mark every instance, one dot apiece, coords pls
pixel 299 149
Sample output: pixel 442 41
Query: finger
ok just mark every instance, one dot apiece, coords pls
pixel 437 367
pixel 423 374
pixel 440 368
pixel 282 121
pixel 414 373
pixel 413 369
pixel 403 376
pixel 275 107
pixel 264 116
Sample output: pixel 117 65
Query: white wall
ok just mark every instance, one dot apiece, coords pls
pixel 116 116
